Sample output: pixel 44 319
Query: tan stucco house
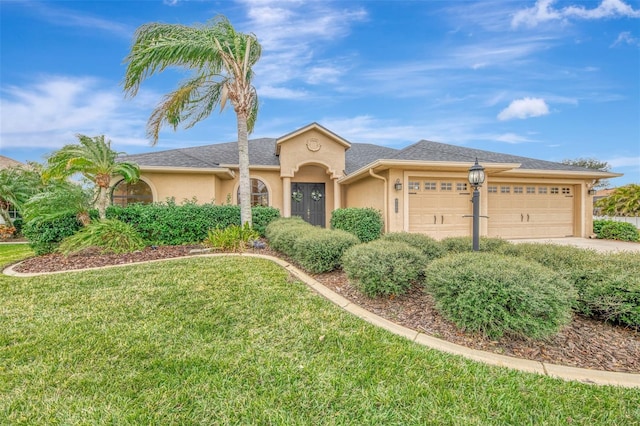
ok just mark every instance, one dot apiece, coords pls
pixel 422 188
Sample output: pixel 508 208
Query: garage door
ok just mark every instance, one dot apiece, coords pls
pixel 438 207
pixel 530 211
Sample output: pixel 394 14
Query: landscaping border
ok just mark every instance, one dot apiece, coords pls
pixel 583 375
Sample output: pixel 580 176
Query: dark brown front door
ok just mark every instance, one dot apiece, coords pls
pixel 307 201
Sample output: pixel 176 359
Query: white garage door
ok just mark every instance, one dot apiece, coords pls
pixel 437 207
pixel 530 211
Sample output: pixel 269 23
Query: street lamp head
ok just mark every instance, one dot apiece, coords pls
pixel 476 175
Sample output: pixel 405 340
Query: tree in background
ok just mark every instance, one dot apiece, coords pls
pixel 591 163
pixel 94 159
pixel 17 185
pixel 623 201
pixel 221 60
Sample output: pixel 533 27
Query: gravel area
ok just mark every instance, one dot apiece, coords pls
pixel 583 343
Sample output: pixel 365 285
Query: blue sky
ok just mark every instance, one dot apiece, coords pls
pixel 544 79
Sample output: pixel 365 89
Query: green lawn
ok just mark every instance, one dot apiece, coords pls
pixel 237 341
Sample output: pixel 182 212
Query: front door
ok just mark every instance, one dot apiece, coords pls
pixel 307 201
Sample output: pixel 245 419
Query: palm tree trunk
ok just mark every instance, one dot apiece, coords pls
pixel 243 161
pixel 102 203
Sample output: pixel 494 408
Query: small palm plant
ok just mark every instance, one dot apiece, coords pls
pixel 109 236
pixel 233 238
pixel 95 160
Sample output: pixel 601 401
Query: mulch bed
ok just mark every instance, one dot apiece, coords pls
pixel 584 343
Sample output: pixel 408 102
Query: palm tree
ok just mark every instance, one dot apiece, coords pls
pixel 221 60
pixel 95 160
pixel 17 185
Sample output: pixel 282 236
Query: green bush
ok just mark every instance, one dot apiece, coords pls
pixel 232 238
pixel 383 268
pixel 465 244
pixel 364 223
pixel 45 235
pixel 262 216
pixel 495 294
pixel 320 250
pixel 570 262
pixel 109 235
pixel 428 246
pixel 172 224
pixel 284 232
pixel 610 289
pixel 613 230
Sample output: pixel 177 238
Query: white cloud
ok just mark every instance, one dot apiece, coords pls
pixel 543 11
pixel 524 108
pixel 72 18
pixel 512 138
pixel 626 38
pixel 48 113
pixel 292 35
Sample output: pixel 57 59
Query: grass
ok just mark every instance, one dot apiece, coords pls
pixel 237 341
pixel 11 253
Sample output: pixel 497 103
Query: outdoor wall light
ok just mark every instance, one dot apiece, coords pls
pixel 476 179
pixel 592 192
pixel 398 185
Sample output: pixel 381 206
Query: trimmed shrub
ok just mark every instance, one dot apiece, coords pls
pixel 262 216
pixel 495 295
pixel 109 235
pixel 428 246
pixel 45 235
pixel 364 223
pixel 570 262
pixel 172 224
pixel 232 238
pixel 284 232
pixel 610 289
pixel 383 268
pixel 320 250
pixel 613 230
pixel 465 244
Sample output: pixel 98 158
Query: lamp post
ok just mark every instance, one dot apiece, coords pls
pixel 476 179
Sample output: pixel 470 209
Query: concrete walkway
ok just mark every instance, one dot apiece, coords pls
pixel 586 243
pixel 629 380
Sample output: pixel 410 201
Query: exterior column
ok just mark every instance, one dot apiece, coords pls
pixel 286 197
pixel 337 195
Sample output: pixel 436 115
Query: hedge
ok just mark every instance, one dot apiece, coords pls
pixel 495 295
pixel 613 230
pixel 172 224
pixel 383 268
pixel 428 246
pixel 320 250
pixel 465 244
pixel 46 235
pixel 364 223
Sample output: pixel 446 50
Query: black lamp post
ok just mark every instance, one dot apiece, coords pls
pixel 476 179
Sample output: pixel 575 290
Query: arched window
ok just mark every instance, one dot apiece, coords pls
pixel 259 193
pixel 128 193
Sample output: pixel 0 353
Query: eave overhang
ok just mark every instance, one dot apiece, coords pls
pixel 415 165
pixel 223 173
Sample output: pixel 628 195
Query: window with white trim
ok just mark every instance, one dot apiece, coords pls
pixel 130 193
pixel 259 193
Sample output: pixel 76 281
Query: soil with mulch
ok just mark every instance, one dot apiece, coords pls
pixel 584 343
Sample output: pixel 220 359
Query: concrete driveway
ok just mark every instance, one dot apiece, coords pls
pixel 586 243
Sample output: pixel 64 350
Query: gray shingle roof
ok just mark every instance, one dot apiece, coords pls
pixel 361 154
pixel 262 153
pixel 436 151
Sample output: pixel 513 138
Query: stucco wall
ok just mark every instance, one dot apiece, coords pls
pixel 181 186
